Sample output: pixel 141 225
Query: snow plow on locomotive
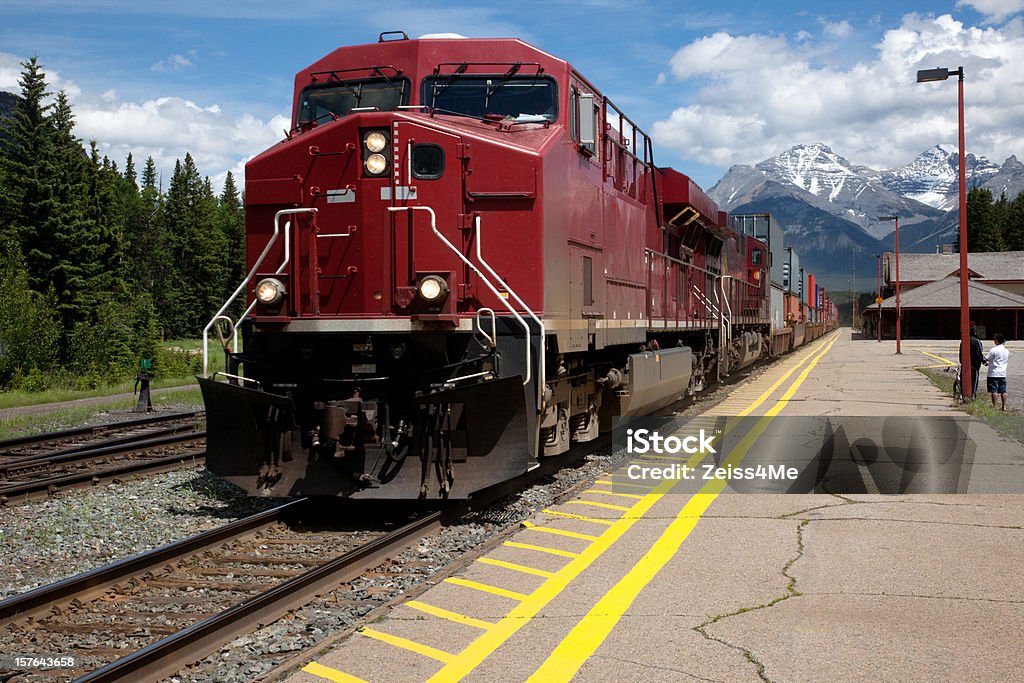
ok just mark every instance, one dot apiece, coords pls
pixel 463 259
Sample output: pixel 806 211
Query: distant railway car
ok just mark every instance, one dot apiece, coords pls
pixel 463 258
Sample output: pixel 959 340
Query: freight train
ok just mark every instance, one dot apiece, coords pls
pixel 463 259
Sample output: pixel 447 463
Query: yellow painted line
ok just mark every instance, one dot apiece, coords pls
pixel 516 567
pixel 449 615
pixel 593 629
pixel 619 483
pixel 607 506
pixel 947 362
pixel 406 644
pixel 569 515
pixel 612 493
pixel 485 588
pixel 541 549
pixel 485 645
pixel 482 647
pixel 559 532
pixel 330 674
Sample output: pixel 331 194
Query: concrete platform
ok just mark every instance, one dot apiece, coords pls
pixel 670 581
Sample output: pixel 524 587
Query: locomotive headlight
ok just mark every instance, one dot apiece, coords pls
pixel 269 291
pixel 433 288
pixel 376 164
pixel 375 141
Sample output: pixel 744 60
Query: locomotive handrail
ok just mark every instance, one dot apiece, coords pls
pixel 483 278
pixel 252 272
pixel 541 362
pixel 493 336
pixel 725 330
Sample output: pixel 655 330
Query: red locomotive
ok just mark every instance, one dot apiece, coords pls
pixel 463 258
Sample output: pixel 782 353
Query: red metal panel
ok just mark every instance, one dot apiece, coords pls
pixel 678 189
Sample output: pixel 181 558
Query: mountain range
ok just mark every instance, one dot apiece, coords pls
pixel 829 207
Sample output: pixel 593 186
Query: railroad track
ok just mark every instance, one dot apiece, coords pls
pixel 150 615
pixel 40 466
pixel 71 439
pixel 125 622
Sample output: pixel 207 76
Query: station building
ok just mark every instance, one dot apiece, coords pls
pixel 930 296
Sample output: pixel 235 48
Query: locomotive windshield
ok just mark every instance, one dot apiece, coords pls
pixel 341 97
pixel 525 99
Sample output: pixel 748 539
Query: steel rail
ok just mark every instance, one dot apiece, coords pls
pixel 19 441
pixel 94 582
pixel 126 444
pixel 171 654
pixel 25 490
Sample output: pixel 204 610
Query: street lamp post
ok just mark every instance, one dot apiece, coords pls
pixel 927 76
pixel 898 311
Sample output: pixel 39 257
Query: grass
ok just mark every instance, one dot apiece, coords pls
pixel 68 417
pixel 17 399
pixel 1009 423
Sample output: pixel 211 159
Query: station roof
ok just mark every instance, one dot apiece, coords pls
pixel 991 265
pixel 945 293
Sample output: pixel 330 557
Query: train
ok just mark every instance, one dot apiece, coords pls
pixel 463 259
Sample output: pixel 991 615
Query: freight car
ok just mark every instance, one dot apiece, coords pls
pixel 463 258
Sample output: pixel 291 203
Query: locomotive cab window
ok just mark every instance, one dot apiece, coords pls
pixel 427 162
pixel 516 99
pixel 755 257
pixel 319 102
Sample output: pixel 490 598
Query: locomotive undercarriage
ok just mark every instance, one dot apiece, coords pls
pixel 403 416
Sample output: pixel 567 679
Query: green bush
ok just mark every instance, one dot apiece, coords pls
pixel 29 326
pixel 174 361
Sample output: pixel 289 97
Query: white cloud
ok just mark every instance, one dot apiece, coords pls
pixel 840 29
pixel 10 75
pixel 169 127
pixel 758 95
pixel 165 128
pixel 994 11
pixel 174 63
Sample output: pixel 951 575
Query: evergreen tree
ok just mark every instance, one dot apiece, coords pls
pixel 982 227
pixel 29 327
pixel 149 262
pixel 197 247
pixel 129 172
pixel 66 242
pixel 1014 225
pixel 231 222
pixel 25 167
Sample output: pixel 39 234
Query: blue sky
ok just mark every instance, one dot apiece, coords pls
pixel 715 84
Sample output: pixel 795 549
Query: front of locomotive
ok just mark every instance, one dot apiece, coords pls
pixel 380 355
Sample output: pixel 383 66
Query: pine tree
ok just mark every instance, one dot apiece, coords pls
pixel 25 167
pixel 129 171
pixel 231 222
pixel 197 247
pixel 1014 226
pixel 66 242
pixel 982 228
pixel 29 327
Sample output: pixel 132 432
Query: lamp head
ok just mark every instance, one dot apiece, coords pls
pixel 929 75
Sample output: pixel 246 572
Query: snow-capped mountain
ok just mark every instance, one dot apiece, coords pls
pixel 827 181
pixel 829 207
pixel 932 178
